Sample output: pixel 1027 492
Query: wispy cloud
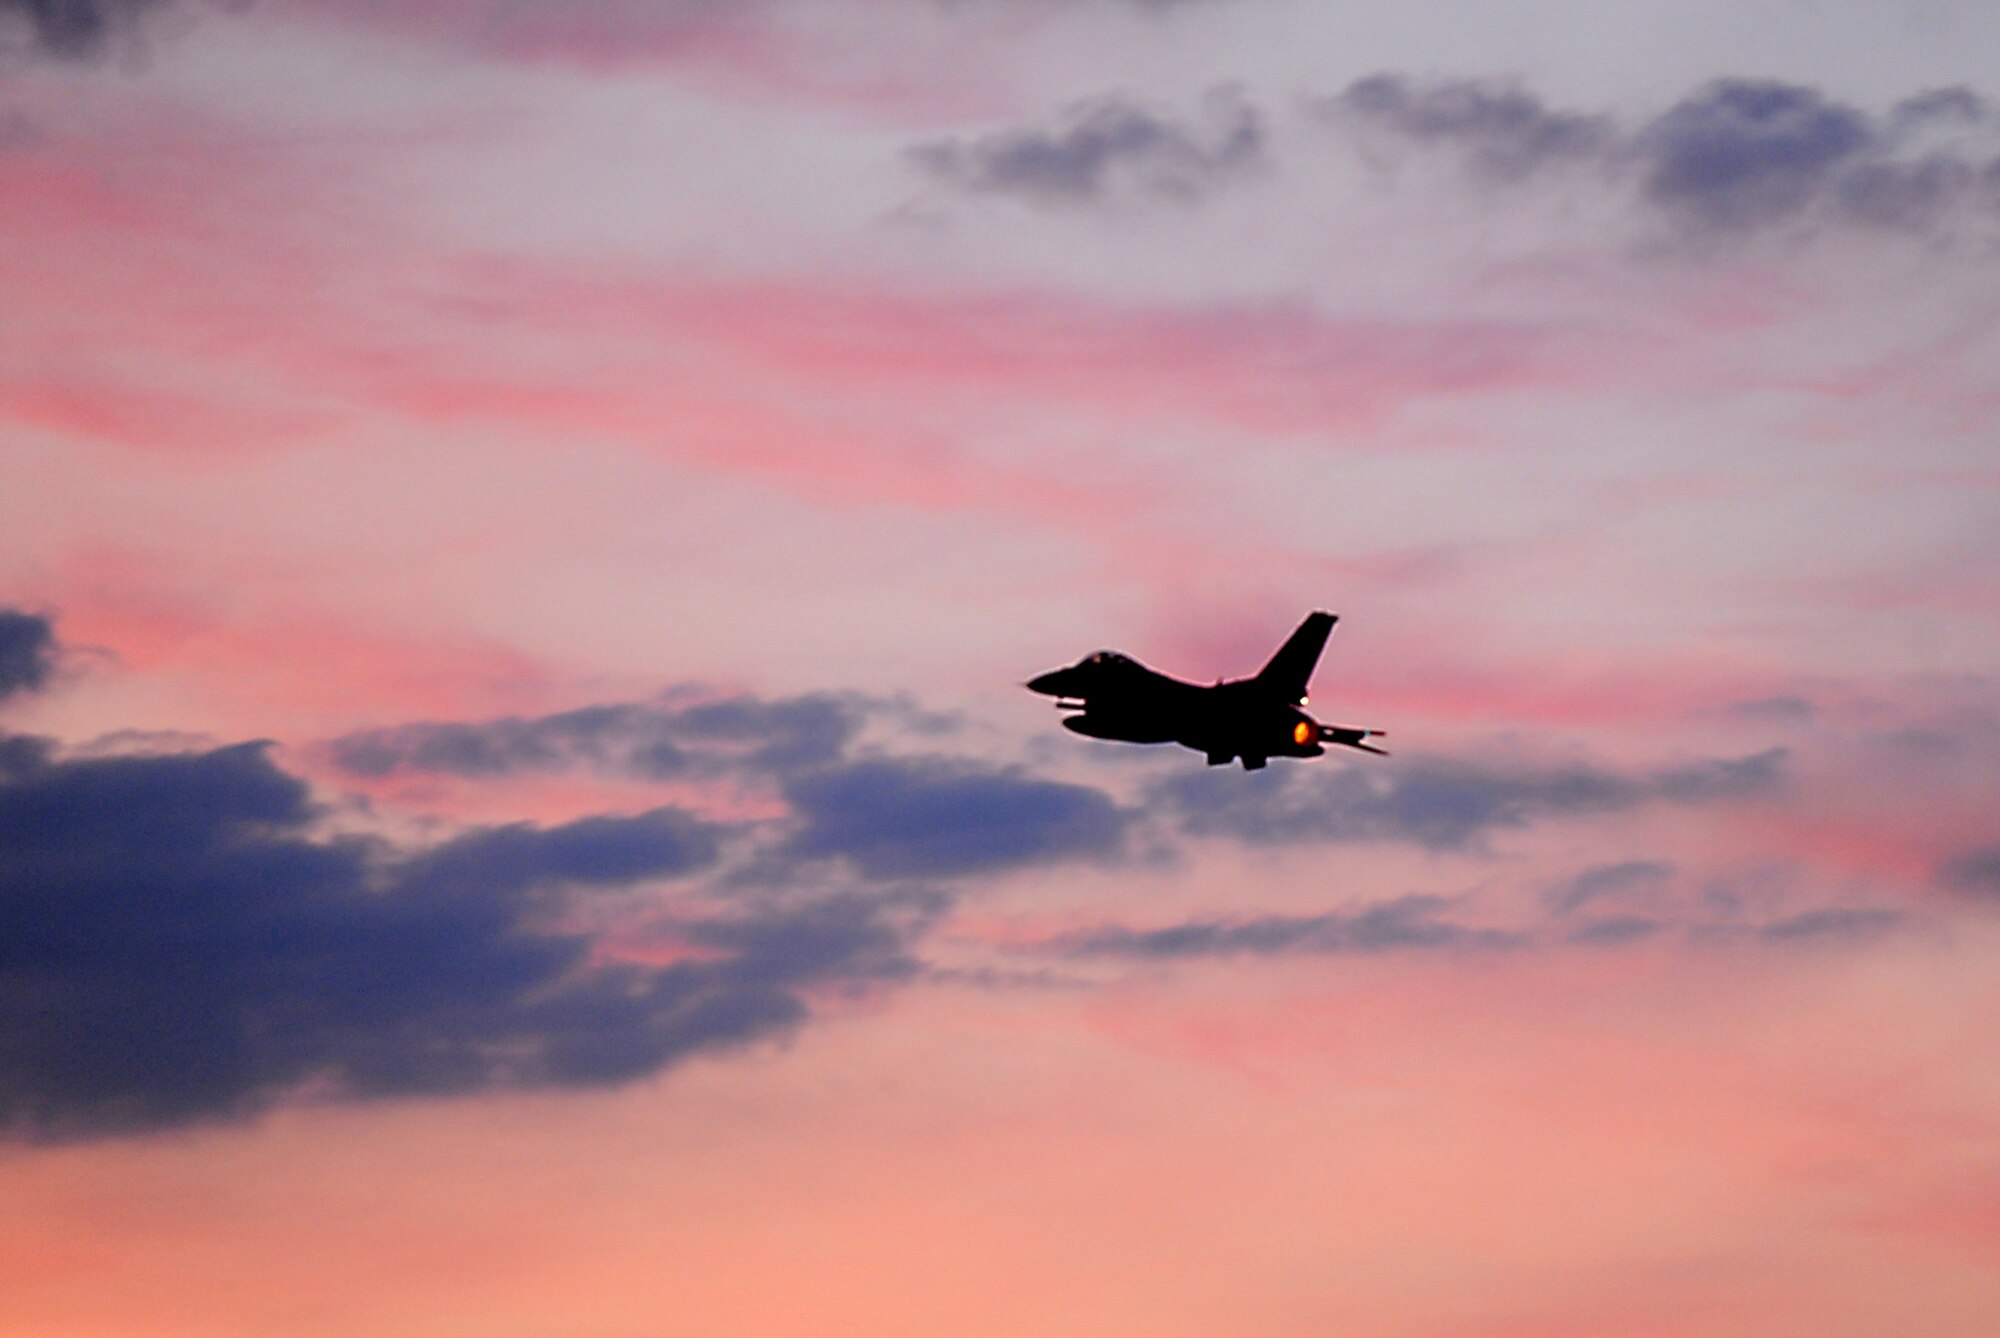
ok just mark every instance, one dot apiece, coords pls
pixel 1403 923
pixel 1442 803
pixel 1428 923
pixel 1104 147
pixel 654 741
pixel 1607 882
pixel 1976 871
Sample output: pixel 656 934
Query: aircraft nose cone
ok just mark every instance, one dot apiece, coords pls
pixel 1055 683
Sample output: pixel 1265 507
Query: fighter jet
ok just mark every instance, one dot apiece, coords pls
pixel 1116 697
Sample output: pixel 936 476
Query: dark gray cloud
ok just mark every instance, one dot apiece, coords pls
pixel 1438 803
pixel 1615 931
pixel 1953 105
pixel 655 741
pixel 890 817
pixel 939 817
pixel 1503 131
pixel 1104 145
pixel 181 941
pixel 1722 778
pixel 1419 922
pixel 69 29
pixel 1911 196
pixel 1831 922
pixel 1783 710
pixel 1976 871
pixel 178 944
pixel 27 652
pixel 1406 922
pixel 1733 157
pixel 1963 735
pixel 514 859
pixel 1607 882
pixel 1826 924
pixel 1744 152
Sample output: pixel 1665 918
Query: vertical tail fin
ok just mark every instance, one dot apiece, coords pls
pixel 1292 667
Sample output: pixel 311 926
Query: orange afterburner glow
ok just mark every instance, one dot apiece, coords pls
pixel 1302 733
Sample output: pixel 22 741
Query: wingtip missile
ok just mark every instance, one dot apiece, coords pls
pixel 1349 736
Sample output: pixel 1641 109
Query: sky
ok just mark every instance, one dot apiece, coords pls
pixel 524 528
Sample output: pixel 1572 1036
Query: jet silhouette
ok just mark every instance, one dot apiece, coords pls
pixel 1256 719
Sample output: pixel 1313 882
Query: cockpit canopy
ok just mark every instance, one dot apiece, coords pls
pixel 1107 657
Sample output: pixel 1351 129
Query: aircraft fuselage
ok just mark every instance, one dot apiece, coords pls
pixel 1258 718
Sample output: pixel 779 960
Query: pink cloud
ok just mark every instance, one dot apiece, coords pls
pixel 1562 689
pixel 1962 1217
pixel 1277 367
pixel 163 418
pixel 855 59
pixel 282 669
pixel 849 393
pixel 855 391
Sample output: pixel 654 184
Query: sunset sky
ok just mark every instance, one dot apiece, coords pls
pixel 522 530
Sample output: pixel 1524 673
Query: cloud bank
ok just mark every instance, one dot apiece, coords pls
pixel 177 945
pixel 184 937
pixel 181 941
pixel 1733 158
